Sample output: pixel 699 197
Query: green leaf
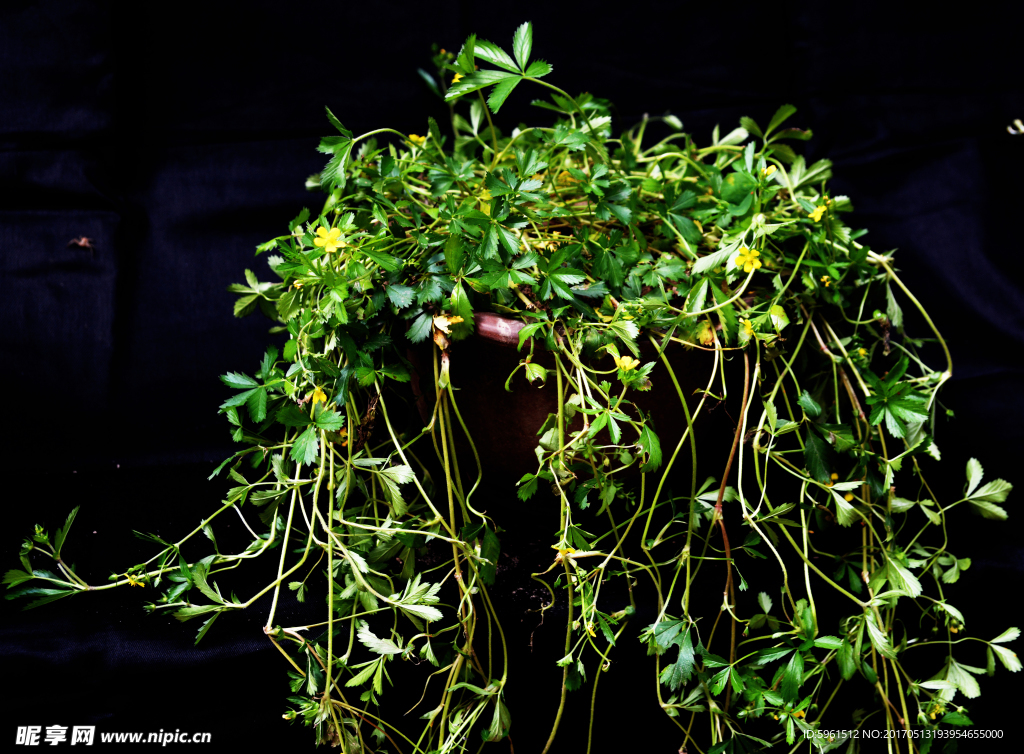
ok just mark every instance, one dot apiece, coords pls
pixel 341 129
pixel 401 296
pixel 333 174
pixel 375 644
pixel 780 117
pixel 539 69
pixel 956 718
pixel 62 533
pixel 306 447
pixel 329 420
pixel 522 44
pixel 1009 659
pixel 490 550
pixel 818 457
pixel 239 381
pixel 292 416
pixel 454 253
pixel 500 93
pixel 478 80
pixel 892 309
pixel 809 405
pixel 993 492
pixel 751 126
pixel 715 259
pixel 495 55
pixel 363 675
pixel 199 572
pixel 679 673
pixel 975 472
pixel 793 677
pixel 257 405
pixel 878 638
pixel 847 661
pixel 1010 634
pixel 501 722
pixel 828 642
pixel 462 308
pixel 206 626
pixel 901 578
pixel 651 445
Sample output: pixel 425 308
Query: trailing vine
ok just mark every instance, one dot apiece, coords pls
pixel 616 257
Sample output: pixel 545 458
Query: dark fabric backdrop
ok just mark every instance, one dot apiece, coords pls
pixel 178 136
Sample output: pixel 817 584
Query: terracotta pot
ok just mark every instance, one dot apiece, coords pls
pixel 504 424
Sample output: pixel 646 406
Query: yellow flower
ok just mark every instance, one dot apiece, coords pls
pixel 134 581
pixel 748 259
pixel 768 171
pixel 826 280
pixel 748 328
pixel 417 139
pixel 818 212
pixel 457 79
pixel 328 240
pixel 862 352
pixel 626 363
pixel 590 629
pixel 799 713
pixel 834 477
pixel 848 497
pixel 319 396
pixel 297 284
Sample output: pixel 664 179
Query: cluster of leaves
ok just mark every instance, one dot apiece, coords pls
pixel 596 244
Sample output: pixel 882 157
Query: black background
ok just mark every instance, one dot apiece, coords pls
pixel 177 137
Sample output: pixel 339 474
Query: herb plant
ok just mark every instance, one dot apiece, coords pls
pixel 596 245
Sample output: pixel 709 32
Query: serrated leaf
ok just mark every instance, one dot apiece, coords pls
pixel 901 578
pixel 651 445
pixel 306 447
pixel 993 492
pixel 780 117
pixel 1009 659
pixel 375 644
pixel 878 638
pixel 337 124
pixel 401 296
pixel 1010 634
pixel 239 381
pixel 257 405
pixel 828 642
pixel 818 455
pixel 522 44
pixel 975 472
pixel 495 55
pixel 963 680
pixel 329 420
pixel 809 405
pixel 847 662
pixel 363 675
pixel 715 259
pixel 539 69
pixel 751 126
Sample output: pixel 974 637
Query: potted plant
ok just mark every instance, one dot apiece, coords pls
pixel 627 287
